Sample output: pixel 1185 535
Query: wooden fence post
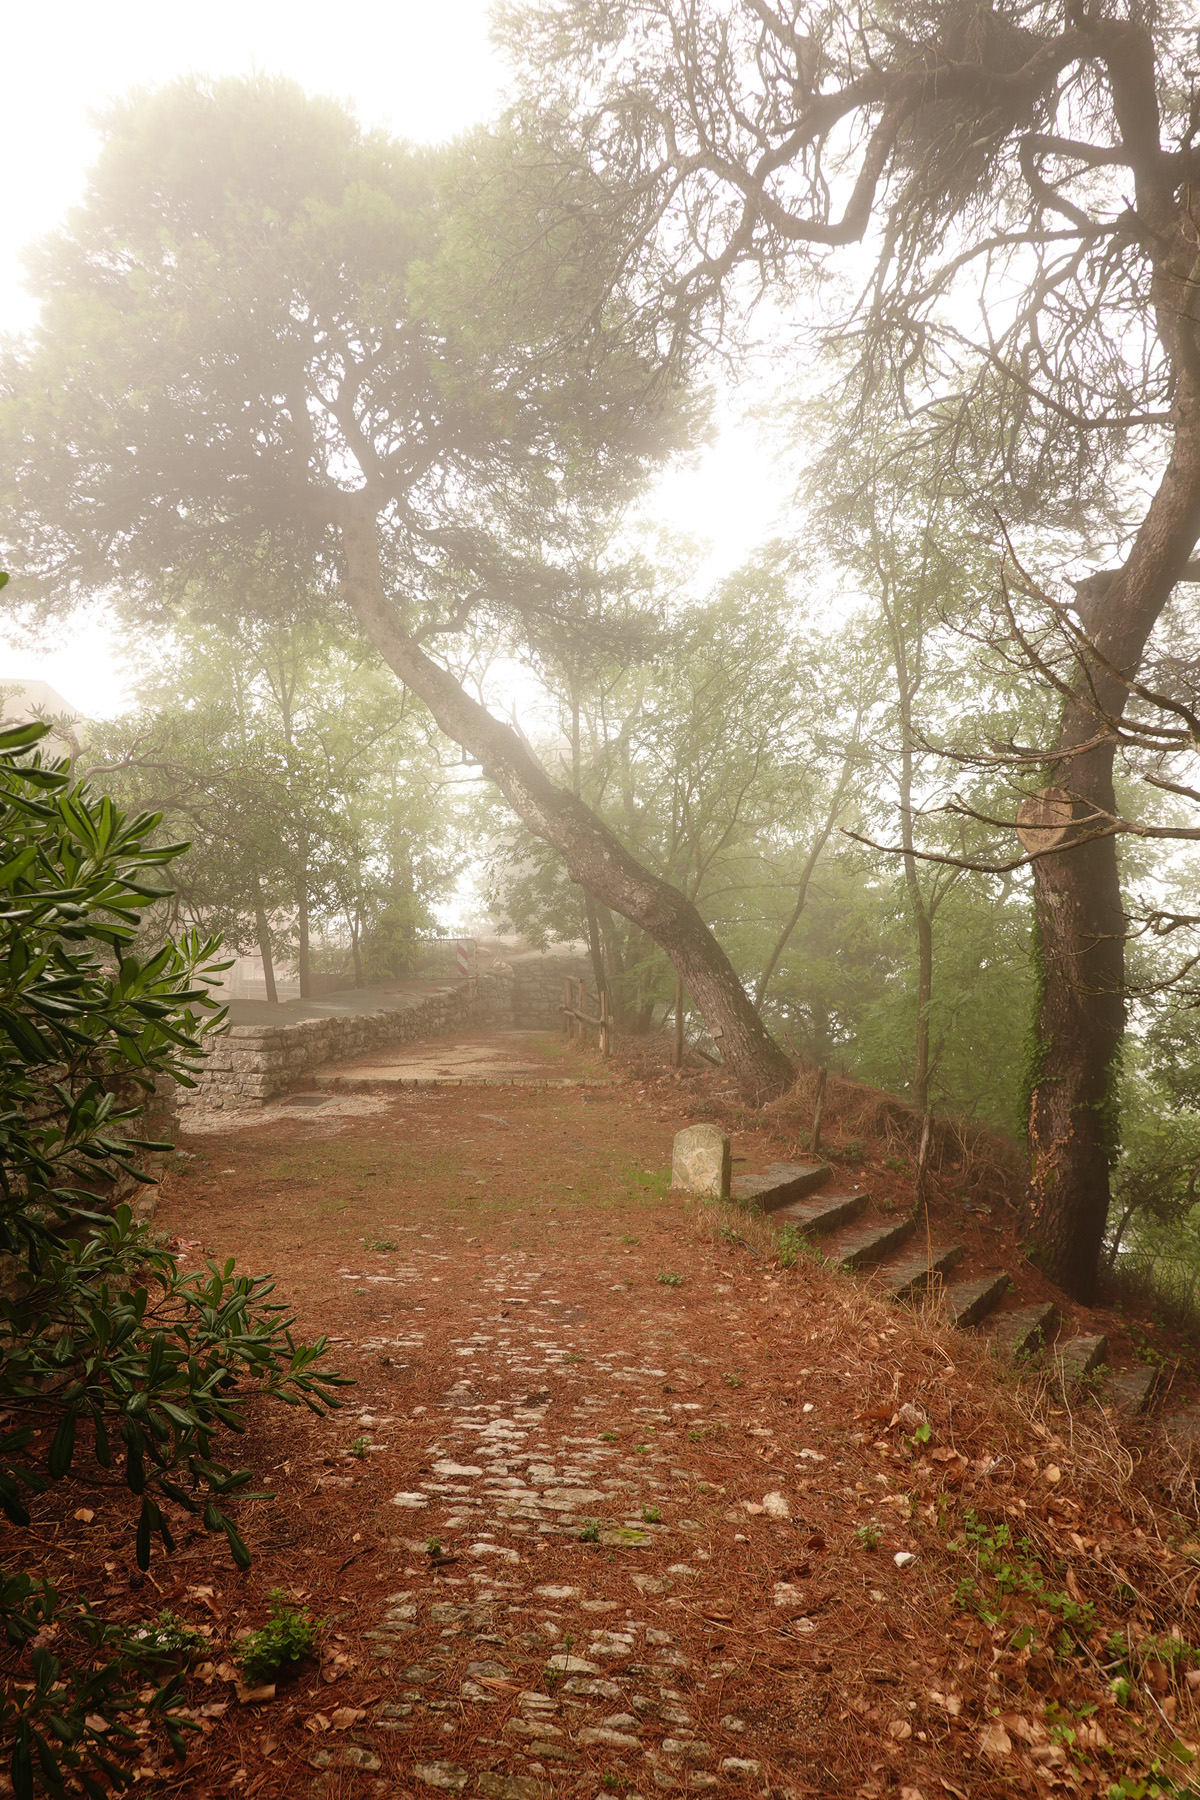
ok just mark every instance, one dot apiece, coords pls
pixel 604 1033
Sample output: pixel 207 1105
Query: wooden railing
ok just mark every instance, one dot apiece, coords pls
pixel 576 1018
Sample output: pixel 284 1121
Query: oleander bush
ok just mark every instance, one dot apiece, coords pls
pixel 113 1362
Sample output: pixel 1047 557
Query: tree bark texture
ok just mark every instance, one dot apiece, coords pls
pixel 593 856
pixel 263 931
pixel 1080 920
pixel 1080 1021
pixel 302 946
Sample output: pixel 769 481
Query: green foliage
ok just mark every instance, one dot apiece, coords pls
pixel 69 1720
pixel 109 1356
pixel 669 1279
pixel 1007 1570
pixel 288 1636
pixel 169 1635
pixel 299 771
pixel 868 1537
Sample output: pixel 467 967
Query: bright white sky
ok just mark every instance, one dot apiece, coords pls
pixel 424 69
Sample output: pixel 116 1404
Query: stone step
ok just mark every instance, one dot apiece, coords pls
pixel 1023 1329
pixel 869 1245
pixel 779 1184
pixel 826 1213
pixel 967 1302
pixel 1077 1357
pixel 1132 1390
pixel 911 1275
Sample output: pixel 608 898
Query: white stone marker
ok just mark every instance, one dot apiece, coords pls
pixel 700 1162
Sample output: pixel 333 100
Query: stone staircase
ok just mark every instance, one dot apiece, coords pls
pixel 905 1264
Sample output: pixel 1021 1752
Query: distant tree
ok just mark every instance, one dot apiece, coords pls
pixel 722 758
pixel 308 785
pixel 1010 190
pixel 266 326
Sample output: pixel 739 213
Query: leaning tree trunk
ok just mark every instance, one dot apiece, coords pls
pixel 1080 921
pixel 593 856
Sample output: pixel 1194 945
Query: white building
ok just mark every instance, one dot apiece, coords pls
pixel 22 701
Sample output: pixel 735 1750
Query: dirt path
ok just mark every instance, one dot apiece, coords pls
pixel 684 1542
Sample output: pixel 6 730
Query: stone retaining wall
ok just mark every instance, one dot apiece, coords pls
pixel 251 1064
pixel 538 989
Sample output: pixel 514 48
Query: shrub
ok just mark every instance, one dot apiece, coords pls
pixel 287 1637
pixel 109 1356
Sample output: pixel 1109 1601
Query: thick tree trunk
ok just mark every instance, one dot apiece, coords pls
pixel 595 948
pixel 593 856
pixel 1075 1051
pixel 302 949
pixel 263 931
pixel 1080 920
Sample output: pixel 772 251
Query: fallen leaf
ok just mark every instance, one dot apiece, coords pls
pixel 85 1513
pixel 345 1716
pixel 911 1793
pixel 900 1729
pixel 316 1722
pixel 951 1704
pixel 254 1696
pixel 1052 1474
pixel 995 1741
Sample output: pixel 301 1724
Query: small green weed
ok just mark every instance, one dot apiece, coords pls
pixel 792 1246
pixel 433 1547
pixel 668 1279
pixel 868 1537
pixel 627 1239
pixel 608 1437
pixel 1128 1662
pixel 360 1447
pixel 1152 1786
pixel 591 1532
pixel 652 1515
pixel 611 1781
pixel 1005 1570
pixel 853 1152
pixel 379 1245
pixel 288 1636
pixel 169 1635
pixel 735 1237
pixel 733 1381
